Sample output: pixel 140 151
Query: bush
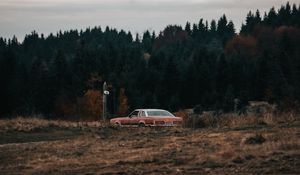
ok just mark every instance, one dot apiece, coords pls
pixel 201 121
pixel 257 139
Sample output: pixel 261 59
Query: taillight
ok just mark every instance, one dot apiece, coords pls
pixel 177 122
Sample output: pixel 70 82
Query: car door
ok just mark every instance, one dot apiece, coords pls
pixel 144 119
pixel 134 118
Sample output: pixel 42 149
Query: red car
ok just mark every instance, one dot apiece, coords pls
pixel 148 117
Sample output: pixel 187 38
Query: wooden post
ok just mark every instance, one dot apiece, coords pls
pixel 236 103
pixel 104 101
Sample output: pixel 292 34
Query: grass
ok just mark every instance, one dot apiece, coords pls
pixel 219 148
pixel 28 124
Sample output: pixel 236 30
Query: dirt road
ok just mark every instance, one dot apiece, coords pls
pixel 108 150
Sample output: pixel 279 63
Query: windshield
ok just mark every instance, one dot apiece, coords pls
pixel 159 113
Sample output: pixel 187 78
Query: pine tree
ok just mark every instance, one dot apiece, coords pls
pixel 213 26
pixel 188 28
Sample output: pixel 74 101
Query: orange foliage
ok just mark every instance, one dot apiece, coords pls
pixel 244 45
pixel 90 105
pixel 123 104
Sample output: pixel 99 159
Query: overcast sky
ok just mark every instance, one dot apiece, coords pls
pixel 20 17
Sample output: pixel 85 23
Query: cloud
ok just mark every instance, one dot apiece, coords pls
pixel 22 16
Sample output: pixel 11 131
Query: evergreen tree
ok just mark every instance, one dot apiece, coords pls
pixel 188 28
pixel 213 26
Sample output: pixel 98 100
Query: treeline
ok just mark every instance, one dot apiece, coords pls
pixel 206 64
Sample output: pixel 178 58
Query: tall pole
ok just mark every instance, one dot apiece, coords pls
pixel 104 101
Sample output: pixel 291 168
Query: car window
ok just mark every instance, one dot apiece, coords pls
pixel 143 114
pixel 159 113
pixel 134 114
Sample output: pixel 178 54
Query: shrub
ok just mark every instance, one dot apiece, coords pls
pixel 257 139
pixel 201 121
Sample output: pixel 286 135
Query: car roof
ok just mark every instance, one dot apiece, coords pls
pixel 150 110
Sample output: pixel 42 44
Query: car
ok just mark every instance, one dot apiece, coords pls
pixel 148 117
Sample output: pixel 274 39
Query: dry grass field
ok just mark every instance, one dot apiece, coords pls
pixel 37 146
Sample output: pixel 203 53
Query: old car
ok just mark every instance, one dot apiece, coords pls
pixel 148 117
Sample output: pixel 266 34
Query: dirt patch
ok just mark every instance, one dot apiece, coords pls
pixel 39 135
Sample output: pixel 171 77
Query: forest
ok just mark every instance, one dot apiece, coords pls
pixel 207 64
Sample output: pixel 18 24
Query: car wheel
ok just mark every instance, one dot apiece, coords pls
pixel 117 124
pixel 142 125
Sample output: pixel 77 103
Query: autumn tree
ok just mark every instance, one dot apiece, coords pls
pixel 90 105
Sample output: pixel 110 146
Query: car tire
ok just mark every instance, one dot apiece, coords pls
pixel 142 125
